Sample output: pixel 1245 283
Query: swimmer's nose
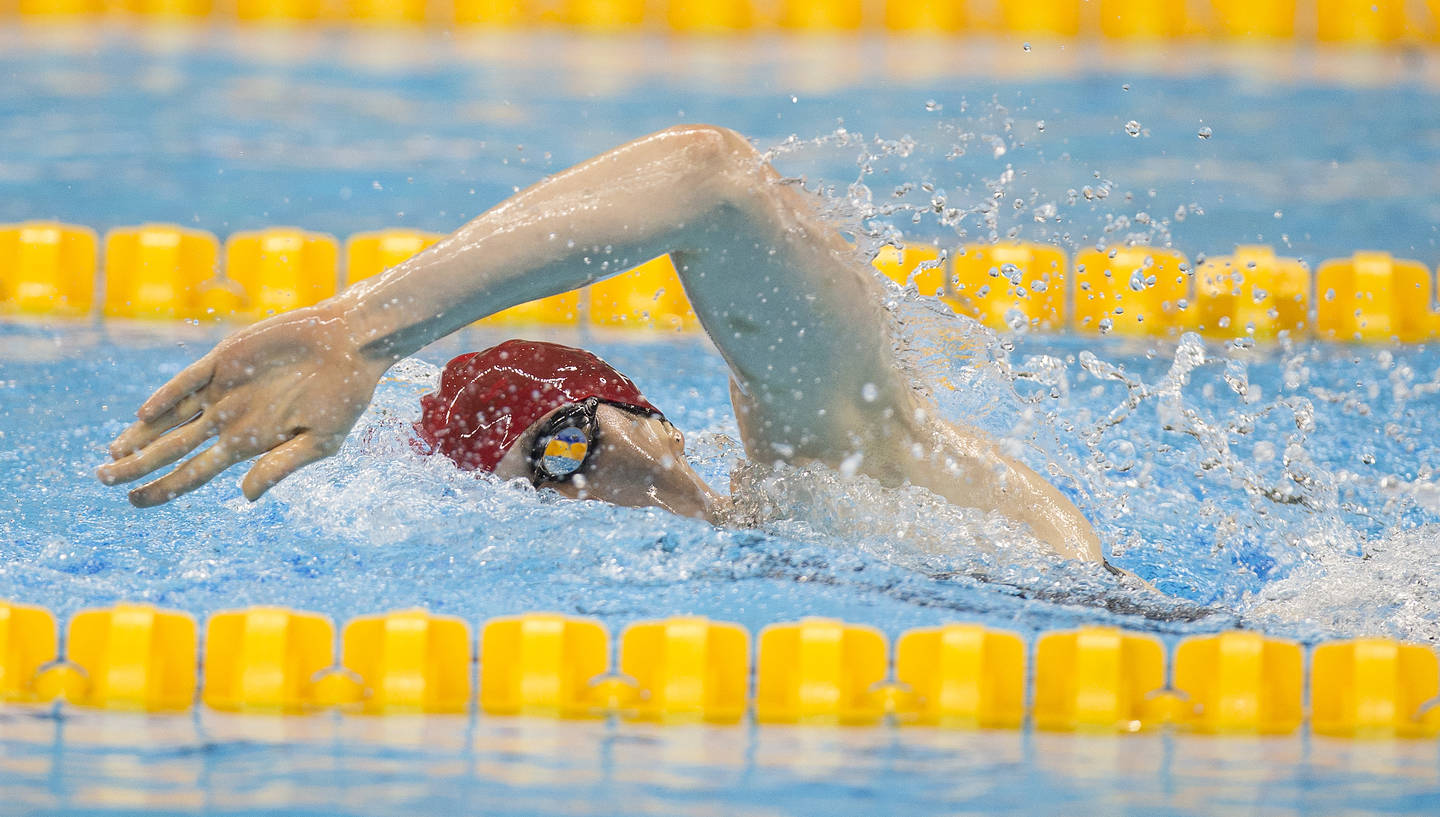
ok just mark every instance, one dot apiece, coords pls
pixel 642 462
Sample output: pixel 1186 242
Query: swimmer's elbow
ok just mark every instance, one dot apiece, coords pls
pixel 710 148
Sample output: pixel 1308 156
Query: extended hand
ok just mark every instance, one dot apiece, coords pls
pixel 291 386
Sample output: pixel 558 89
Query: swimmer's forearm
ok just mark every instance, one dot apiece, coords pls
pixel 1053 518
pixel 606 215
pixel 972 471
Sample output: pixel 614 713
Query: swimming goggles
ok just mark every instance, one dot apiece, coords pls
pixel 563 445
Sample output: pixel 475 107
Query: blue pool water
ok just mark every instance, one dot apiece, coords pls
pixel 1288 489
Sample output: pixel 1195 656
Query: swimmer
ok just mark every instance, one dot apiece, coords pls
pixel 795 312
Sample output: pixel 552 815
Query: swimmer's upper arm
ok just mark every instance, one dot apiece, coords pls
pixel 797 314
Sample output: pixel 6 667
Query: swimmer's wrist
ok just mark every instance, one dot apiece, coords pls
pixel 391 318
pixel 371 333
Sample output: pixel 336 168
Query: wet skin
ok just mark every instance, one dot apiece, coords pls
pixel 796 313
pixel 639 461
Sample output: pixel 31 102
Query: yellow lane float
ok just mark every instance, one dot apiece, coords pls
pixel 265 659
pixel 1010 285
pixel 962 675
pixel 130 656
pixel 47 268
pixel 156 270
pixel 1374 688
pixel 410 661
pixel 542 664
pixel 1240 683
pixel 687 669
pixel 820 670
pixel 282 268
pixel 1373 296
pixel 1098 679
pixel 1133 291
pixel 1251 294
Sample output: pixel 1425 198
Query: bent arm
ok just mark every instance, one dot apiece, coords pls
pixel 796 313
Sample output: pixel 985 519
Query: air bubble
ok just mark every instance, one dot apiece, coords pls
pixel 1205 132
pixel 1133 128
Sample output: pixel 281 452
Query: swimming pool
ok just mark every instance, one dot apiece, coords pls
pixel 1285 489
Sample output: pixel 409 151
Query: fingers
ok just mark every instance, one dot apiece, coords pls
pixel 190 380
pixel 197 471
pixel 158 454
pixel 284 460
pixel 142 433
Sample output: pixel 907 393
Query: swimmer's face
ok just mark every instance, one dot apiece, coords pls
pixel 637 461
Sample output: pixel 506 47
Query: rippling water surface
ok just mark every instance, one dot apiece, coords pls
pixel 1287 488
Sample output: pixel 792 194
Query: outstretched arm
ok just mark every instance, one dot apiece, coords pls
pixel 796 314
pixel 753 256
pixel 290 388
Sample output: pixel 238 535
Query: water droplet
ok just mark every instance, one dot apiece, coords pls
pixel 1133 128
pixel 1121 455
pixel 1106 325
pixel 932 105
pixel 1279 214
pixel 1040 126
pixel 870 392
pixel 1038 285
pixel 1026 46
pixel 1125 87
pixel 794 99
pixel 1205 132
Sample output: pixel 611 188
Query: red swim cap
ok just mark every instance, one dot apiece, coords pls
pixel 487 399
